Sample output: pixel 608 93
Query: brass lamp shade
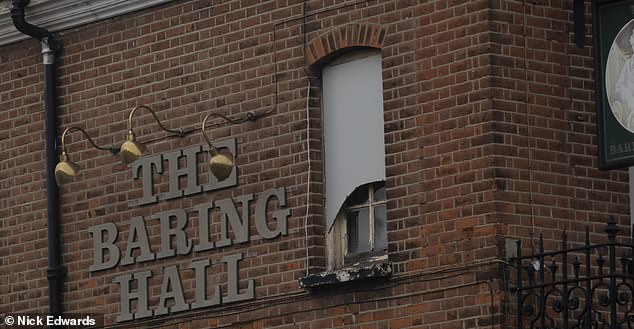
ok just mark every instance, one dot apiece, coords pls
pixel 131 149
pixel 65 170
pixel 220 164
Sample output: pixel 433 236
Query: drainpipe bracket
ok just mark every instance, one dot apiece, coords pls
pixel 48 50
pixel 56 273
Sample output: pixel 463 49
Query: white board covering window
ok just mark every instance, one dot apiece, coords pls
pixel 354 147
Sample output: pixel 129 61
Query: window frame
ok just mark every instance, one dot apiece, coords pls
pixel 337 254
pixel 371 204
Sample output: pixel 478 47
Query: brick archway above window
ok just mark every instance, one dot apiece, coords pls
pixel 340 38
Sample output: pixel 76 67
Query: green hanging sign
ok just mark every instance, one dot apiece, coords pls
pixel 613 34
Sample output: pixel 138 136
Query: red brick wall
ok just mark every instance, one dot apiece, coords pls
pixel 545 113
pixel 490 134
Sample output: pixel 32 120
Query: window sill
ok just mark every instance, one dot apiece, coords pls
pixel 345 275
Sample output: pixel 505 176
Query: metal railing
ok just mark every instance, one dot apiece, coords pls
pixel 585 287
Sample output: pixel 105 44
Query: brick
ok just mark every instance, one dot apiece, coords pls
pixel 481 143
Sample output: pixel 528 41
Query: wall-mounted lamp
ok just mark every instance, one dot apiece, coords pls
pixel 131 149
pixel 220 164
pixel 65 170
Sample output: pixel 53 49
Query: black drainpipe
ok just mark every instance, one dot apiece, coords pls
pixel 55 271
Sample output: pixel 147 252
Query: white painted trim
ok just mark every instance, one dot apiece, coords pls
pixel 59 15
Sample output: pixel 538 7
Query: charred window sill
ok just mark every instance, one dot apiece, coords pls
pixel 345 275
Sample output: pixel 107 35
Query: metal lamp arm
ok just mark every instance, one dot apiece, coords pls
pixel 217 115
pixel 178 132
pixel 112 149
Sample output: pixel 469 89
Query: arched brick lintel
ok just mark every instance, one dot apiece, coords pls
pixel 348 36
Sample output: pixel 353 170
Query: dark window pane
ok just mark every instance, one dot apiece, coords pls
pixel 358 230
pixel 379 191
pixel 358 197
pixel 352 231
pixel 380 228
